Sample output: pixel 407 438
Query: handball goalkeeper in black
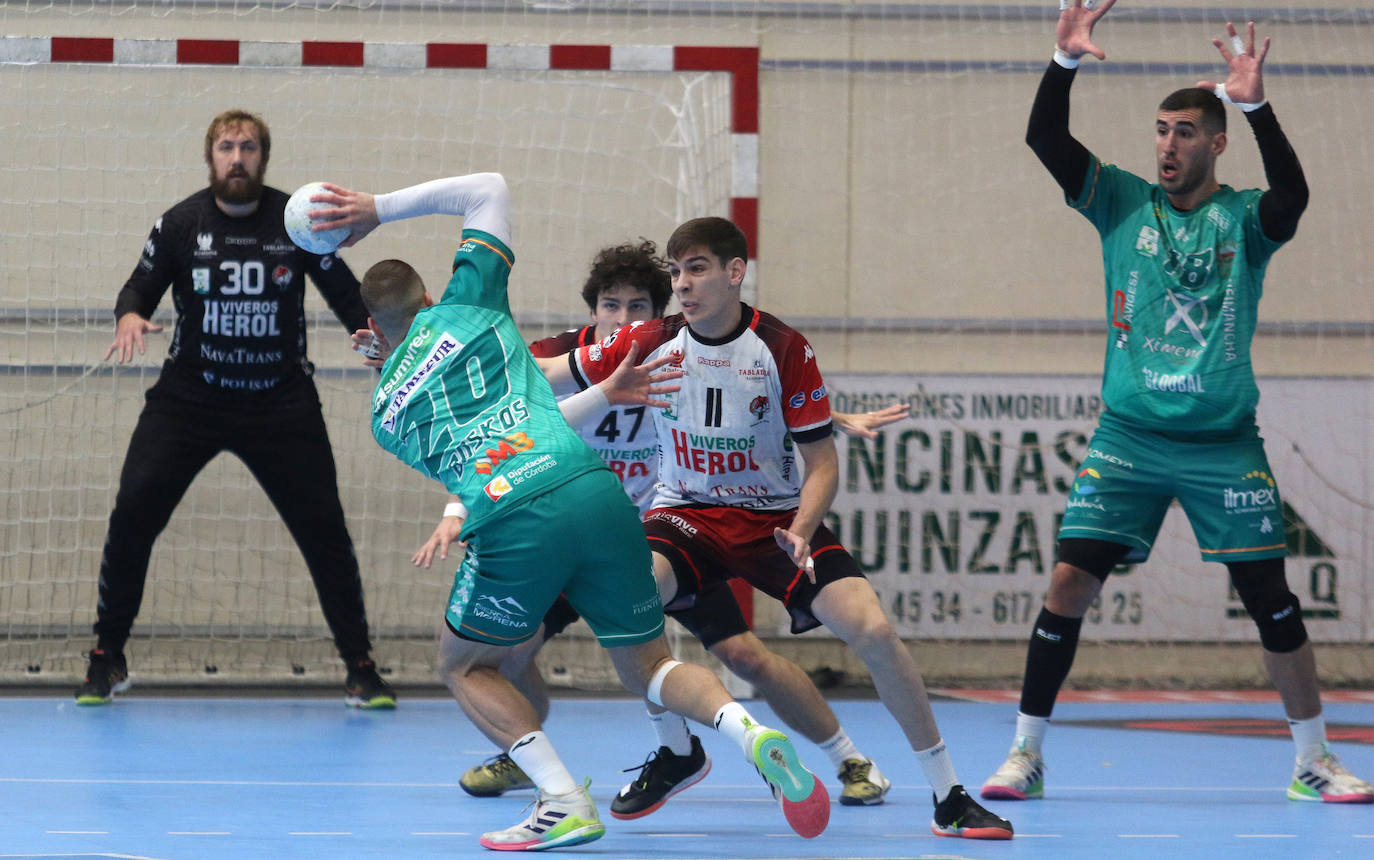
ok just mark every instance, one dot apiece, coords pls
pixel 236 379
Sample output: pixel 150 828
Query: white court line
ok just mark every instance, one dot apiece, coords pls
pixel 105 855
pixel 199 833
pixel 78 832
pixel 673 835
pixel 1147 836
pixel 319 833
pixel 1266 836
pixel 439 833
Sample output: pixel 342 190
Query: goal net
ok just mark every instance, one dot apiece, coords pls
pixel 902 225
pixel 594 157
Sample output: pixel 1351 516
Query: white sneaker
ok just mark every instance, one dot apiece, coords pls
pixel 1323 779
pixel 1021 777
pixel 558 820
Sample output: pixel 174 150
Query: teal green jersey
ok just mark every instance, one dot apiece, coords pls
pixel 1183 291
pixel 462 400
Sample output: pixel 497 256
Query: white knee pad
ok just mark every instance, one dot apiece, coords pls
pixel 656 682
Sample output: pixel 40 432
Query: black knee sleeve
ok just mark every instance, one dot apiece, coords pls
pixel 1096 557
pixel 1275 610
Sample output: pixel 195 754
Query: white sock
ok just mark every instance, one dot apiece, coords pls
pixel 840 748
pixel 672 732
pixel 939 770
pixel 1309 736
pixel 1030 732
pixel 733 721
pixel 540 762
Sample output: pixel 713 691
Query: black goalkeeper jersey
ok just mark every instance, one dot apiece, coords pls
pixel 238 285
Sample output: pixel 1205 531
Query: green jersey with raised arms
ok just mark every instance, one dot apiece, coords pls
pixel 1183 291
pixel 462 400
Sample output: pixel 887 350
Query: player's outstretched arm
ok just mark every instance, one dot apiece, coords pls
pixel 481 198
pixel 1280 207
pixel 865 424
pixel 129 331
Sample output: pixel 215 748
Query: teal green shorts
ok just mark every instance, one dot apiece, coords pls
pixel 582 539
pixel 1129 478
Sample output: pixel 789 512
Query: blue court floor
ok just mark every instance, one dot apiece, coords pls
pixel 177 778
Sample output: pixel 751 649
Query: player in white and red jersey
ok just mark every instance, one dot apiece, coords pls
pixel 629 283
pixel 747 471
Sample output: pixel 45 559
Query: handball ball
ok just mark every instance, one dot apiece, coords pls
pixel 298 223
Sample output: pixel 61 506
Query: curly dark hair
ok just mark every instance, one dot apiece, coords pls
pixel 638 265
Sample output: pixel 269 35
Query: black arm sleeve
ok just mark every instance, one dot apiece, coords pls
pixel 1047 133
pixel 1282 205
pixel 339 287
pixel 151 277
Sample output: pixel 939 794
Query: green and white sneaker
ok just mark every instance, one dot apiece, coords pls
pixel 558 820
pixel 494 777
pixel 1021 777
pixel 1323 779
pixel 805 802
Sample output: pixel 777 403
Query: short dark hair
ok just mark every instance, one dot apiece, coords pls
pixel 636 265
pixel 1213 111
pixel 393 293
pixel 236 117
pixel 718 235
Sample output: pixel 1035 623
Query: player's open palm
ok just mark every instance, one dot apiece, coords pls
pixel 634 384
pixel 1074 33
pixel 1244 82
pixel 129 333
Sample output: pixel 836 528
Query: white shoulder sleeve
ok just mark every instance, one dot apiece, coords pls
pixel 481 198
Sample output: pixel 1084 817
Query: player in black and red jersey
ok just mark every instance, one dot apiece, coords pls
pixel 747 470
pixel 236 379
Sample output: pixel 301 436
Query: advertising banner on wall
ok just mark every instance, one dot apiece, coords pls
pixel 953 512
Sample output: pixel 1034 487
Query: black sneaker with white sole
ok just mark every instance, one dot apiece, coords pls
pixel 960 815
pixel 662 775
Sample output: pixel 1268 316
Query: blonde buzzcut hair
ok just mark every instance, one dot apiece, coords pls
pixel 393 292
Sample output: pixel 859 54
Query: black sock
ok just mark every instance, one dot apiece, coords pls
pixel 1053 643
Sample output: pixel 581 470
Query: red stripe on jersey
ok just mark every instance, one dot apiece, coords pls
pixel 69 49
pixel 214 52
pixel 673 551
pixel 331 53
pixel 579 56
pixel 455 55
pixel 562 343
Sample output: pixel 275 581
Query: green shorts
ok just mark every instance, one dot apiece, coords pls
pixel 1128 479
pixel 582 539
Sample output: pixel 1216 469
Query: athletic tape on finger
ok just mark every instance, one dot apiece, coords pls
pixel 1237 46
